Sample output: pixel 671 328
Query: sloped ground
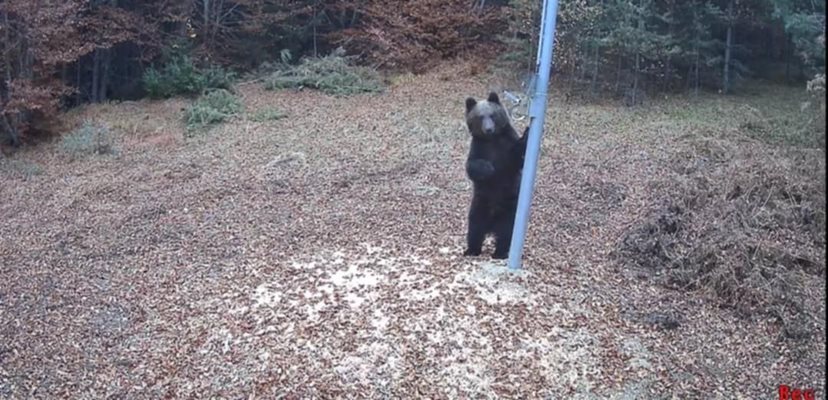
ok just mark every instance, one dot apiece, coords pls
pixel 318 256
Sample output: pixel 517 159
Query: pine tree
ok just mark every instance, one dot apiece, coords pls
pixel 700 48
pixel 805 22
pixel 634 36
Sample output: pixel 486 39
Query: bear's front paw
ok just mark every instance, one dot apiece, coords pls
pixel 471 253
pixel 500 255
pixel 479 169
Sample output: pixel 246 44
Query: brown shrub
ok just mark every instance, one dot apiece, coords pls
pixel 414 35
pixel 31 108
pixel 748 229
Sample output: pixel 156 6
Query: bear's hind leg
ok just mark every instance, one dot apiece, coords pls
pixel 478 227
pixel 503 236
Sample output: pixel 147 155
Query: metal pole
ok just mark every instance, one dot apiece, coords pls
pixel 541 37
pixel 537 112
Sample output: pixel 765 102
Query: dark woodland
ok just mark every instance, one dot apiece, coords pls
pixel 59 54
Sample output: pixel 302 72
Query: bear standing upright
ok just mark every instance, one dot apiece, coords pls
pixel 494 166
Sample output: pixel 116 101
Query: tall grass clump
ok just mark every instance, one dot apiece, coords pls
pixel 89 139
pixel 215 107
pixel 332 74
pixel 19 167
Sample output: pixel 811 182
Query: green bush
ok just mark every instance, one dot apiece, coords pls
pixel 218 78
pixel 216 106
pixel 181 77
pixel 19 167
pixel 89 139
pixel 332 74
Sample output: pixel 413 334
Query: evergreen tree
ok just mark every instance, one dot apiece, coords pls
pixel 634 36
pixel 805 22
pixel 700 48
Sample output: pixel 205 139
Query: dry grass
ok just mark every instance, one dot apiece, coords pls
pixel 744 223
pixel 88 139
pixel 319 256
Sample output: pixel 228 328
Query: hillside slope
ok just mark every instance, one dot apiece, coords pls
pixel 319 255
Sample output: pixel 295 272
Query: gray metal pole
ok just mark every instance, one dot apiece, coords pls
pixel 537 112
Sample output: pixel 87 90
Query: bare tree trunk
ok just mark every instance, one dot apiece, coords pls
pixel 353 19
pixel 594 83
pixel 6 47
pixel 104 63
pixel 315 6
pixel 570 89
pixel 635 78
pixel 637 62
pixel 787 54
pixel 10 129
pixel 618 74
pixel 477 5
pixel 697 65
pixel 26 71
pixel 668 66
pixel 688 82
pixel 584 60
pixel 78 96
pixel 206 29
pixel 93 93
pixel 354 15
pixel 26 60
pixel 8 53
pixel 205 9
pixel 218 11
pixel 728 45
pixel 7 121
pixel 103 81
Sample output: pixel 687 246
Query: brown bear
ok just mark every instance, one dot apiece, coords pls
pixel 494 166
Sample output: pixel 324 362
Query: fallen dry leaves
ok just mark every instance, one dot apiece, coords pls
pixel 318 256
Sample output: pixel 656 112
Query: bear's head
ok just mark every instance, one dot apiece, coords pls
pixel 486 118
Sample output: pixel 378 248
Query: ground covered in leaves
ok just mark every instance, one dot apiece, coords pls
pixel 671 254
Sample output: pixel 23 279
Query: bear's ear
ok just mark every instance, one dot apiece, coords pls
pixel 493 98
pixel 470 103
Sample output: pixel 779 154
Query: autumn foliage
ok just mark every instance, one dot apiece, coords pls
pixel 412 35
pixel 47 49
pixel 60 53
pixel 56 54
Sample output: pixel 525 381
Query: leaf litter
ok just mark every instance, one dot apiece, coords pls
pixel 302 258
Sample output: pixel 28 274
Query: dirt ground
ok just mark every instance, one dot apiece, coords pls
pixel 320 256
